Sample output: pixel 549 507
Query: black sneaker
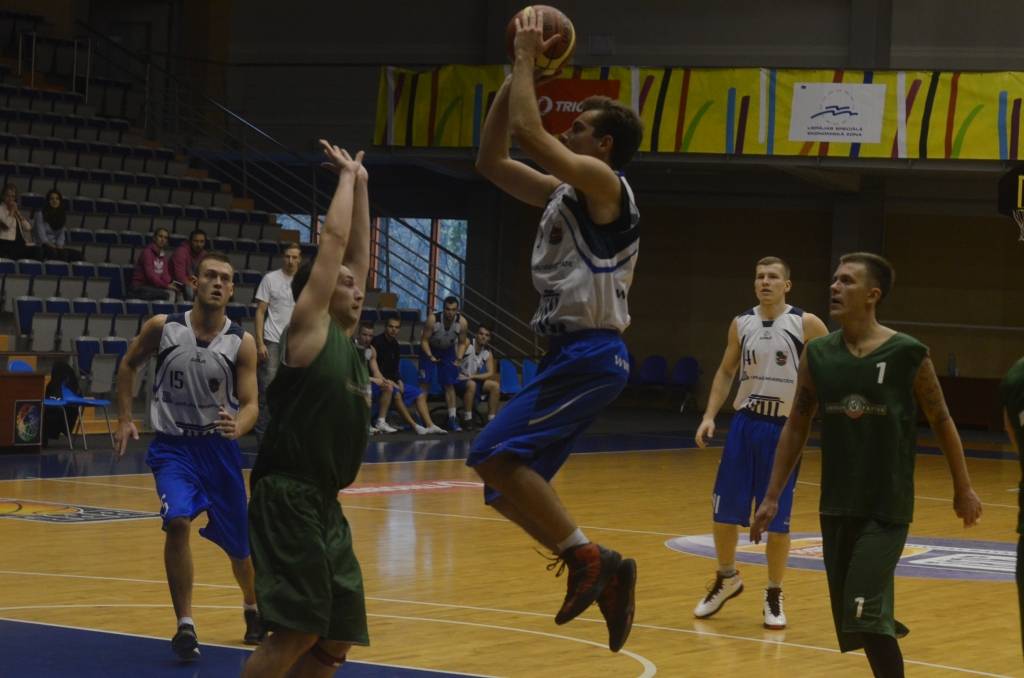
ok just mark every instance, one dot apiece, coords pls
pixel 255 631
pixel 618 603
pixel 591 567
pixel 185 643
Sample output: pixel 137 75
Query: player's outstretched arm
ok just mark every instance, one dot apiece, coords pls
pixel 357 254
pixel 139 350
pixel 307 330
pixel 492 159
pixel 585 173
pixel 720 387
pixel 787 452
pixel 928 392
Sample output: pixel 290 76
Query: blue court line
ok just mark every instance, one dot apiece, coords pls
pixel 36 650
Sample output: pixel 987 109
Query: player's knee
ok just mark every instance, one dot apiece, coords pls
pixel 330 652
pixel 178 528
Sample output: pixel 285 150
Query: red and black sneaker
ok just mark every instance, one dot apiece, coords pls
pixel 590 569
pixel 618 602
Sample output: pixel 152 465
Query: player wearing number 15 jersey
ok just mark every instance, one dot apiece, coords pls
pixel 582 266
pixel 204 398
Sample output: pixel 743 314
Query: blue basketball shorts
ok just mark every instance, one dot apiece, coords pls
pixel 410 392
pixel 481 394
pixel 445 369
pixel 582 374
pixel 203 473
pixel 745 470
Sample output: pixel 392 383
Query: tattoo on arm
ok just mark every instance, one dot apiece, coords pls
pixel 805 402
pixel 929 395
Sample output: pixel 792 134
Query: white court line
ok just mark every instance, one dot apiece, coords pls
pixel 652 627
pixel 228 647
pixel 75 481
pixel 984 504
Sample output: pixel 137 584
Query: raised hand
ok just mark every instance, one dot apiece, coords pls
pixel 530 40
pixel 338 159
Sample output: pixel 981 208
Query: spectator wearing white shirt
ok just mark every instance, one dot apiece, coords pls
pixel 478 374
pixel 273 312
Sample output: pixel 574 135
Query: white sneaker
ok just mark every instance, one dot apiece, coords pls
pixel 385 427
pixel 722 590
pixel 436 429
pixel 374 430
pixel 774 615
pixel 420 430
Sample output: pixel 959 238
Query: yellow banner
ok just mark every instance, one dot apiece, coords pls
pixel 732 111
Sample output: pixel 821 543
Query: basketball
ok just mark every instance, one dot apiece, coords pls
pixel 555 22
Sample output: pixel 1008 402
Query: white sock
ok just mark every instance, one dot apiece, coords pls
pixel 451 412
pixel 490 417
pixel 467 416
pixel 774 584
pixel 380 422
pixel 186 620
pixel 574 539
pixel 250 607
pixel 727 570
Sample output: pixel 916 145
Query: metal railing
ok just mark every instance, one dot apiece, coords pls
pixel 279 180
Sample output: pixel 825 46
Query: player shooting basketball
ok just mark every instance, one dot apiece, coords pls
pixel 582 266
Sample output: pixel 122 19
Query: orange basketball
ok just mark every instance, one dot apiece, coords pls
pixel 555 22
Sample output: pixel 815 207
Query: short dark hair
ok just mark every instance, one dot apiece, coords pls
pixel 156 231
pixel 197 231
pixel 618 121
pixel 292 246
pixel 484 326
pixel 770 261
pixel 300 279
pixel 451 299
pixel 366 325
pixel 880 271
pixel 214 256
pixel 395 318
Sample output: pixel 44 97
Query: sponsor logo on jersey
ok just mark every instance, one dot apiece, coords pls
pixel 214 384
pixel 922 557
pixel 50 512
pixel 555 235
pixel 781 358
pixel 413 488
pixel 855 406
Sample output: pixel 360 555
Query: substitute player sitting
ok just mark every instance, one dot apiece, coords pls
pixel 765 343
pixel 204 399
pixel 478 374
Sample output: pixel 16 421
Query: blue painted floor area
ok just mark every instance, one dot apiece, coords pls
pixel 30 650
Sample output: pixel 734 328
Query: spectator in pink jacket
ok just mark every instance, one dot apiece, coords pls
pixel 185 258
pixel 151 279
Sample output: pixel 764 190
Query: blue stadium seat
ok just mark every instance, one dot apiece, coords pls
pixel 508 377
pixel 8 266
pixel 30 267
pixel 83 269
pixel 237 312
pixel 25 309
pixel 112 306
pixel 132 238
pixel 270 247
pixel 183 307
pixel 115 346
pixel 529 371
pixel 79 236
pixel 653 371
pixel 59 268
pixel 86 348
pixel 57 305
pixel 162 307
pixel 249 277
pixel 137 307
pixel 85 305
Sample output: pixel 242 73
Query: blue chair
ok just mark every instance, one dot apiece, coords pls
pixel 8 266
pixel 112 306
pixel 529 370
pixel 86 349
pixel 162 307
pixel 83 269
pixel 237 312
pixel 19 367
pixel 509 377
pixel 116 346
pixel 183 306
pixel 136 307
pixel 684 378
pixel 25 309
pixel 58 305
pixel 50 403
pixel 653 371
pixel 74 400
pixel 85 305
pixel 58 268
pixel 30 267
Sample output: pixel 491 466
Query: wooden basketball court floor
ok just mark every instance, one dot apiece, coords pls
pixel 454 589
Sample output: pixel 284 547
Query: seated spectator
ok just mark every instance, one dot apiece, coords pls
pixel 151 279
pixel 387 353
pixel 50 231
pixel 184 260
pixel 15 230
pixel 478 373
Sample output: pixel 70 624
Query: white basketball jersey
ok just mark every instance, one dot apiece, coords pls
pixel 443 338
pixel 194 379
pixel 769 358
pixel 583 271
pixel 474 362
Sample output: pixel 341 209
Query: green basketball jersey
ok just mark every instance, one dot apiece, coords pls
pixel 319 417
pixel 1011 394
pixel 869 426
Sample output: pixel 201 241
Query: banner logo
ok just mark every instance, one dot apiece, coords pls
pixel 50 512
pixel 837 112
